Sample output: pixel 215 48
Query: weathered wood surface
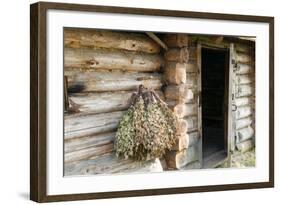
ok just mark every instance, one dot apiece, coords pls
pixel 176 40
pixel 244 68
pixel 182 142
pixel 245 146
pixel 192 165
pixel 85 58
pixel 100 81
pixel 245 134
pixel 244 58
pixel 155 38
pixel 244 101
pixel 110 164
pixel 192 123
pixel 191 80
pixel 185 109
pixel 86 125
pixel 180 159
pixel 102 102
pixel 179 55
pixel 245 90
pixel 193 138
pixel 193 53
pixel 243 122
pixel 243 112
pixel 242 48
pixel 175 73
pixel 182 127
pixel 77 38
pixel 178 92
pixel 244 79
pixel 191 66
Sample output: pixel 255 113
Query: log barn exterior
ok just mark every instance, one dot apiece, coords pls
pixel 208 82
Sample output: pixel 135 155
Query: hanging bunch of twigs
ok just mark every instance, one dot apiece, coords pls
pixel 148 128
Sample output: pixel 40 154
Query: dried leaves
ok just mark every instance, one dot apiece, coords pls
pixel 147 130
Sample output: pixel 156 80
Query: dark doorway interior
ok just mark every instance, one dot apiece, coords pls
pixel 214 67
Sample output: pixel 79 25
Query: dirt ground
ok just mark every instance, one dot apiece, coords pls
pixel 247 159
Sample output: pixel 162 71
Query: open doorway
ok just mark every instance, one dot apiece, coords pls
pixel 214 82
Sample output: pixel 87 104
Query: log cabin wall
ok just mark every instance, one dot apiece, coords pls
pixel 103 68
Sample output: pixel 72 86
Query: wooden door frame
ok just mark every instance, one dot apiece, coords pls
pixel 228 97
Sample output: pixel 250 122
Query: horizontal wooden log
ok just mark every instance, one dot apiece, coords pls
pixel 244 79
pixel 179 55
pixel 243 112
pixel 245 146
pixel 77 38
pixel 245 90
pixel 193 53
pixel 92 103
pixel 193 138
pixel 176 40
pixel 191 80
pixel 191 66
pixel 180 93
pixel 182 127
pixel 177 160
pixel 88 153
pixel 183 110
pixel 243 122
pixel 244 68
pixel 245 134
pixel 110 164
pixel 100 81
pixel 75 58
pixel 192 123
pixel 76 144
pixel 244 101
pixel 242 48
pixel 182 142
pixel 87 125
pixel 175 73
pixel 244 58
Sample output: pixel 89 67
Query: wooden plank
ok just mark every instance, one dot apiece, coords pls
pixel 85 58
pixel 110 164
pixel 93 103
pixel 91 38
pixel 101 81
pixel 78 125
pixel 157 40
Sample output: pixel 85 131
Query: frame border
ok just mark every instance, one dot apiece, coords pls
pixel 38 151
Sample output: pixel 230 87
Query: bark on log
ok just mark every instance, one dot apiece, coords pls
pixel 85 58
pixel 244 68
pixel 100 81
pixel 183 110
pixel 177 160
pixel 180 93
pixel 244 58
pixel 243 112
pixel 245 134
pixel 177 55
pixel 182 142
pixel 193 138
pixel 175 73
pixel 191 66
pixel 245 146
pixel 245 90
pixel 77 38
pixel 93 103
pixel 176 40
pixel 244 79
pixel 244 122
pixel 243 101
pixel 110 164
pixel 86 125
